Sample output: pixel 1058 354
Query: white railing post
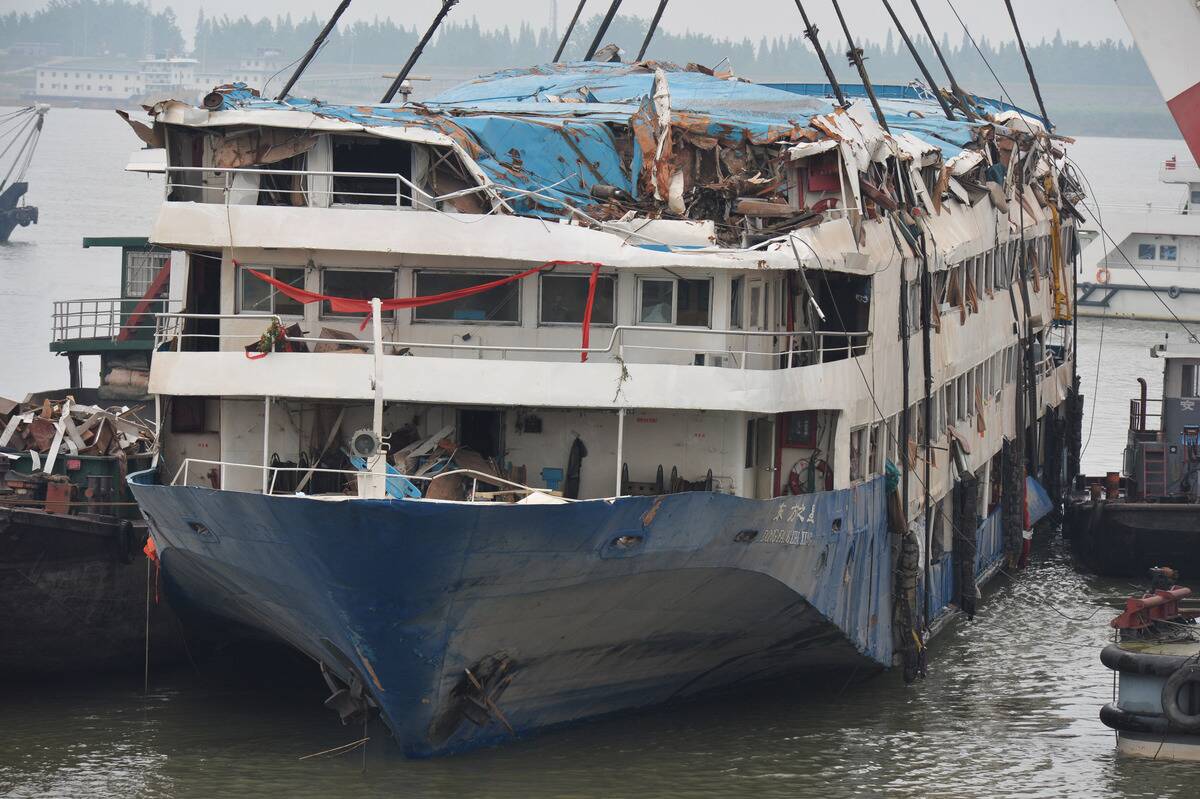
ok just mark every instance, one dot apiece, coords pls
pixel 266 456
pixel 620 447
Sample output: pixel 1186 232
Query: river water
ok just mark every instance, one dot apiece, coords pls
pixel 1009 707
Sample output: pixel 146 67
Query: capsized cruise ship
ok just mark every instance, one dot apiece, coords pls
pixel 592 386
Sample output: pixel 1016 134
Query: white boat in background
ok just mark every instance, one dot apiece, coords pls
pixel 1144 261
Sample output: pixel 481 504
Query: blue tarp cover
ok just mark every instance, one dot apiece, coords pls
pixel 548 128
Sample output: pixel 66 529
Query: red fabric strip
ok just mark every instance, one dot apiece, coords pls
pixel 347 305
pixel 587 313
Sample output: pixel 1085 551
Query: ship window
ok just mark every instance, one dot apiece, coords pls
pixel 1145 252
pixel 736 287
pixel 1168 252
pixel 564 299
pixel 876 464
pixel 357 284
pixel 370 154
pixel 142 267
pixel 1189 386
pixel 677 302
pixel 257 296
pixel 499 305
pixel 857 453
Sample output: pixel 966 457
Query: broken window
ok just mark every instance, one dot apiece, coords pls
pixel 1145 252
pixel 259 297
pixel 501 305
pixel 564 299
pixel 141 270
pixel 676 302
pixel 358 284
pixel 367 154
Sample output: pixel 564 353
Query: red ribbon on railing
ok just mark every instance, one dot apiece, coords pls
pixel 587 313
pixel 349 305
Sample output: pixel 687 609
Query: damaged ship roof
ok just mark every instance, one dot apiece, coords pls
pixel 553 129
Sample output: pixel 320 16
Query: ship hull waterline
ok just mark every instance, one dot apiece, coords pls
pixel 467 624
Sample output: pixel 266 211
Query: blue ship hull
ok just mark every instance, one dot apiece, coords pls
pixel 467 624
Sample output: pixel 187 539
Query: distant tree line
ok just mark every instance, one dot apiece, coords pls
pixel 121 27
pixel 94 27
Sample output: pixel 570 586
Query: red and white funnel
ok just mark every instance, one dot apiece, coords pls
pixel 1168 34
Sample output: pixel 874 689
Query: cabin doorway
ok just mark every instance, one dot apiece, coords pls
pixel 482 431
pixel 759 475
pixel 203 297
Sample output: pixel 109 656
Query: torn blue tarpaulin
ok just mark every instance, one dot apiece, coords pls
pixel 553 129
pixel 1037 501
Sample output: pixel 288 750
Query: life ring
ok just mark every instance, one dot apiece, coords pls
pixel 1182 676
pixel 1103 275
pixel 1173 292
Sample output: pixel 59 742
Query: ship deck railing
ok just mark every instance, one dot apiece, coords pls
pixel 271 479
pixel 1145 415
pixel 106 318
pixel 799 349
pixel 188 184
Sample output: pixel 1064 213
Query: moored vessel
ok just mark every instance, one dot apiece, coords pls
pixel 1156 704
pixel 20 130
pixel 77 594
pixel 1148 514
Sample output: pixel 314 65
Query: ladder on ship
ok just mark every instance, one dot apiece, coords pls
pixel 1154 472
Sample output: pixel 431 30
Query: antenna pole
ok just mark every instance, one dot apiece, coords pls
pixel 312 51
pixel 963 101
pixel 420 48
pixel 570 28
pixel 603 29
pixel 920 63
pixel 811 32
pixel 855 54
pixel 1037 92
pixel 662 6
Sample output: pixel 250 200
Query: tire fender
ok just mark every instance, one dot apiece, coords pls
pixel 1189 722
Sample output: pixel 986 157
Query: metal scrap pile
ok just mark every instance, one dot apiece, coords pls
pixel 44 431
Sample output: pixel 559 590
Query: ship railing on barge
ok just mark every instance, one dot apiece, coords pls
pixel 800 349
pixel 190 466
pixel 107 318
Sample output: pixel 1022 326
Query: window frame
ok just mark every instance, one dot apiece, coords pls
pixel 333 315
pixel 238 305
pixel 541 282
pixel 1174 248
pixel 417 272
pixel 674 281
pixel 1143 248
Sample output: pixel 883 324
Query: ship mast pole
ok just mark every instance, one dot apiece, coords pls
pixel 420 48
pixel 1037 92
pixel 312 51
pixel 811 33
pixel 920 62
pixel 570 28
pixel 855 54
pixel 955 89
pixel 603 29
pixel 662 6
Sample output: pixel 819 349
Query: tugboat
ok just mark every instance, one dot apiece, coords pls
pixel 74 580
pixel 20 129
pixel 1156 711
pixel 1124 523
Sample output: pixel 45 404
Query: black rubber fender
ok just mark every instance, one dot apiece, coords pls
pixel 127 542
pixel 1173 292
pixel 1184 675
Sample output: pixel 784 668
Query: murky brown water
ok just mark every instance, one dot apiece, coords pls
pixel 1009 707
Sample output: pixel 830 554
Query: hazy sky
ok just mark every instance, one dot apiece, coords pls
pixel 1078 19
